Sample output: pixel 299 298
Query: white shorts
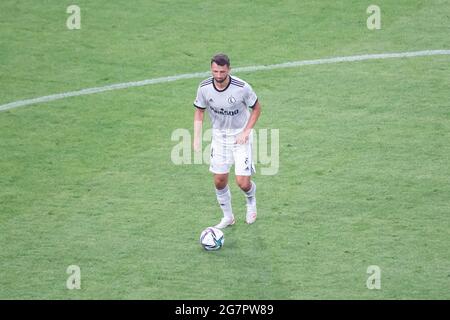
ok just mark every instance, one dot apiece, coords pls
pixel 225 153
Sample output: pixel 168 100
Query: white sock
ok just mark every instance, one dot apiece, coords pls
pixel 224 199
pixel 251 198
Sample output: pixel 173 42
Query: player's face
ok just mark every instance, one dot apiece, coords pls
pixel 220 73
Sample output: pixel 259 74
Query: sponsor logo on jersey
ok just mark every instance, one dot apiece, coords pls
pixel 224 112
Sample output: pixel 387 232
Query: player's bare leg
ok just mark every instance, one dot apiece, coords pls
pixel 221 180
pixel 224 198
pixel 249 189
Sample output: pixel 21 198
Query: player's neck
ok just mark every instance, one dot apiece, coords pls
pixel 224 84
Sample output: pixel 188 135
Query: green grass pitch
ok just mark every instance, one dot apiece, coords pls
pixel 364 172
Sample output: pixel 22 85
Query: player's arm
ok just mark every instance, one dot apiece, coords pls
pixel 198 123
pixel 243 137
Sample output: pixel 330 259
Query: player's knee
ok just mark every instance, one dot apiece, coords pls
pixel 220 185
pixel 220 182
pixel 244 185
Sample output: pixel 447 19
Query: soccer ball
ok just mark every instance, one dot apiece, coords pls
pixel 212 239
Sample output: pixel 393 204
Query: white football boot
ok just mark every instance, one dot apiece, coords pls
pixel 225 222
pixel 251 216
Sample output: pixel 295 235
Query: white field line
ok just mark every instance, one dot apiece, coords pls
pixel 53 97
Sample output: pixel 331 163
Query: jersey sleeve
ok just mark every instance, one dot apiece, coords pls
pixel 250 97
pixel 200 101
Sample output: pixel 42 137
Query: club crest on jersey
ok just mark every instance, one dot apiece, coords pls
pixel 231 100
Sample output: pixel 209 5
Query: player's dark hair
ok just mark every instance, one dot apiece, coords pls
pixel 221 59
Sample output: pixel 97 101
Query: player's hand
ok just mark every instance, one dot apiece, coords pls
pixel 242 138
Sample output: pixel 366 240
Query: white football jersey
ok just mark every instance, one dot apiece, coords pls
pixel 227 108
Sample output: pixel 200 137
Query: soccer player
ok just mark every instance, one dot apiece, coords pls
pixel 228 100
